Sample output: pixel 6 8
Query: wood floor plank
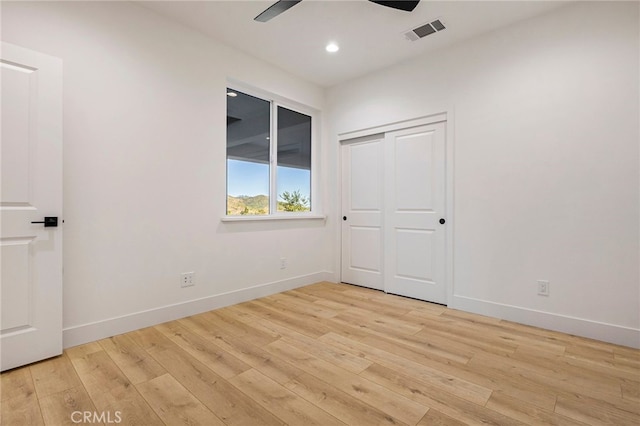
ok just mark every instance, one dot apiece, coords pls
pixel 336 306
pixel 280 401
pixel 341 405
pixel 502 331
pixel 331 286
pixel 395 301
pixel 558 365
pixel 397 406
pixel 174 404
pixel 627 355
pixel 488 379
pixel 593 411
pixel 423 348
pixel 591 352
pixel 16 383
pixel 309 328
pixel 469 317
pixel 268 364
pixel 466 335
pixel 205 351
pixel 98 372
pixel 253 321
pixel 555 379
pixel 222 319
pixel 82 350
pixel 619 366
pixel 380 323
pixel 352 302
pixel 302 296
pixel 22 410
pixel 231 405
pixel 67 407
pixel 435 347
pixel 435 398
pixel 342 359
pixel 445 381
pixel 436 418
pixel 537 332
pixel 111 391
pixel 306 293
pixel 630 390
pixel 392 300
pixel 288 312
pixel 516 408
pixel 523 388
pixel 302 306
pixel 134 362
pixel 150 339
pixel 54 375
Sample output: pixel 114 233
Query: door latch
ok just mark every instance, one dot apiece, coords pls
pixel 49 222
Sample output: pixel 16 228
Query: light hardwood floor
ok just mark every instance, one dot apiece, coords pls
pixel 332 354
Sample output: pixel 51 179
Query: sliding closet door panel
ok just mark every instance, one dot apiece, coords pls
pixel 415 246
pixel 362 198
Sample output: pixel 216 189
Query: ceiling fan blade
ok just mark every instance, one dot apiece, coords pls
pixel 276 9
pixel 407 6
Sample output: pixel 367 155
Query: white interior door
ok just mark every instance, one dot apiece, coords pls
pixel 362 201
pixel 415 238
pixel 31 173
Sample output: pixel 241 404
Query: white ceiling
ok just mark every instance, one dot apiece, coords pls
pixel 370 36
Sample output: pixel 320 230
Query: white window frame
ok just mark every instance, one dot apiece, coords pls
pixel 276 101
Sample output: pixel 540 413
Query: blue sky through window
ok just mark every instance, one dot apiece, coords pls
pixel 292 179
pixel 248 178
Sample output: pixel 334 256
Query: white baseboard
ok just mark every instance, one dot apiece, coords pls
pixel 611 333
pixel 85 333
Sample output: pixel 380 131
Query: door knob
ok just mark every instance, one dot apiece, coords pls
pixel 344 218
pixel 49 222
pixel 442 221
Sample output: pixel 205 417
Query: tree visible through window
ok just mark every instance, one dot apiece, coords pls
pixel 254 187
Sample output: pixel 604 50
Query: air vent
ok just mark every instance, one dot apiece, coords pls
pixel 438 25
pixel 424 30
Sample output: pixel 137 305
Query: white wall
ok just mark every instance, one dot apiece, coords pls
pixel 144 168
pixel 546 163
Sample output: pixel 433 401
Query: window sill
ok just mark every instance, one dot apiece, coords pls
pixel 272 217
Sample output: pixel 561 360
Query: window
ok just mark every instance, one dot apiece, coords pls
pixel 268 157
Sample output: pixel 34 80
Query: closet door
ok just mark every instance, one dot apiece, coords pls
pixel 362 201
pixel 415 217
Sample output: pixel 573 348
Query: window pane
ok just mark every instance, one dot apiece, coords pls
pixel 248 130
pixel 294 161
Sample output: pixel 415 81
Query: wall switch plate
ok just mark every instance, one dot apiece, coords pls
pixel 543 287
pixel 283 263
pixel 187 279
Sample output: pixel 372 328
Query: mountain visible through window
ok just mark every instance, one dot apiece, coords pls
pixel 254 187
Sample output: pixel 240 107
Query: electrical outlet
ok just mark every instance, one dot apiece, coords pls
pixel 283 263
pixel 543 287
pixel 187 279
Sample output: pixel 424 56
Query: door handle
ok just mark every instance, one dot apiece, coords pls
pixel 49 222
pixel 344 218
pixel 442 221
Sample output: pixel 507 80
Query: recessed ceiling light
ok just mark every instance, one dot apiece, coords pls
pixel 332 47
pixel 232 94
